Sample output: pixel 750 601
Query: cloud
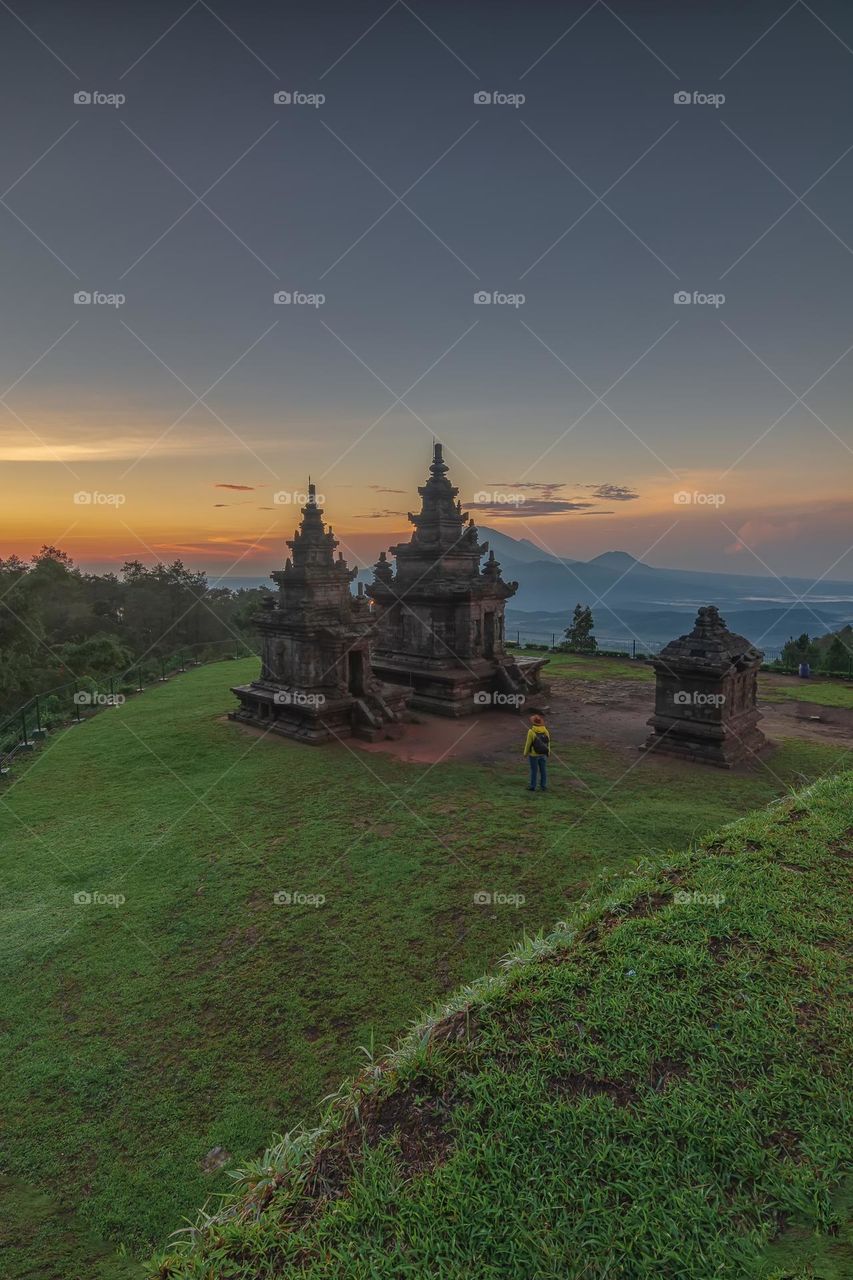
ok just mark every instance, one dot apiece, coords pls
pixel 380 488
pixel 614 493
pixel 244 487
pixel 763 533
pixel 527 510
pixel 379 515
pixel 546 488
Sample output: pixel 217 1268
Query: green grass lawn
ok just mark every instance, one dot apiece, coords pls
pixel 827 693
pixel 576 666
pixel 201 1014
pixel 661 1087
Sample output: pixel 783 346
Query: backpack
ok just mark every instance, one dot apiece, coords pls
pixel 540 745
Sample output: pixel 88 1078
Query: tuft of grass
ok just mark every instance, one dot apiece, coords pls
pixel 825 693
pixel 200 1013
pixel 659 1086
pixel 579 666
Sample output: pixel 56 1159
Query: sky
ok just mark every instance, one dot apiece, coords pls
pixel 315 237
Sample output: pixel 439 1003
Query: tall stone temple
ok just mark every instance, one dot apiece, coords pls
pixel 706 695
pixel 439 618
pixel 316 680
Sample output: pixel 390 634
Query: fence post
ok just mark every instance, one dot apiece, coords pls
pixel 76 703
pixel 24 726
pixel 38 717
pixel 139 688
pixel 162 668
pixel 634 647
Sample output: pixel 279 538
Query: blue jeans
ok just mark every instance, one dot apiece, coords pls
pixel 538 764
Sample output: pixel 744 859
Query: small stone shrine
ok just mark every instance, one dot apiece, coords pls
pixel 316 680
pixel 440 618
pixel 705 695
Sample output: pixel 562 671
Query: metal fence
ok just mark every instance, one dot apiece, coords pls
pixel 628 647
pixel 81 698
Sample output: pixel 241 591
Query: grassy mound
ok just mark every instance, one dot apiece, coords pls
pixel 654 1089
pixel 146 1043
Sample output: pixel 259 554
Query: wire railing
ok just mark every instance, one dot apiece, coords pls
pixel 775 658
pixel 79 699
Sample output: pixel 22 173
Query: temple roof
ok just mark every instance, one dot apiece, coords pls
pixel 711 645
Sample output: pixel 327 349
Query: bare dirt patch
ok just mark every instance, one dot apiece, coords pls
pixel 603 713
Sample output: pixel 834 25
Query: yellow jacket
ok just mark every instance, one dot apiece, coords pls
pixel 531 734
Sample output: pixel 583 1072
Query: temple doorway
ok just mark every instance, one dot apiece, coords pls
pixel 356 673
pixel 488 634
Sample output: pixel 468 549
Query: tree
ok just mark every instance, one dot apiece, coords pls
pixel 837 657
pixel 579 635
pixel 800 650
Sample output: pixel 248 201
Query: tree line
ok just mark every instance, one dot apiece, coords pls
pixel 58 623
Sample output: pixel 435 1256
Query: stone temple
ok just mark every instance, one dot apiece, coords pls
pixel 439 618
pixel 705 695
pixel 316 680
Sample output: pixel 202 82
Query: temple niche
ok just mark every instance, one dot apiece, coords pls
pixel 439 618
pixel 706 695
pixel 316 680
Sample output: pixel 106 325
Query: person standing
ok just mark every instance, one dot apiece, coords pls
pixel 537 748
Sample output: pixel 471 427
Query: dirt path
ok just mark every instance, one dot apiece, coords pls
pixel 604 713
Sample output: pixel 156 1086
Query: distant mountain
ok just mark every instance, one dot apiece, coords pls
pixel 520 550
pixel 618 560
pixel 631 599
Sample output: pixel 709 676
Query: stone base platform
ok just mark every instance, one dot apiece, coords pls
pixel 316 718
